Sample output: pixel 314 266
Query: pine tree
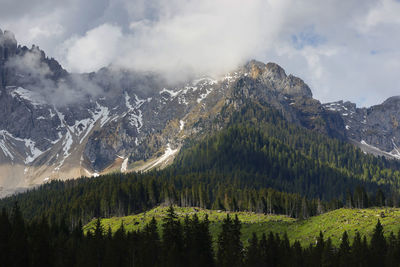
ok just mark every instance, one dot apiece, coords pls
pixel 151 245
pixel 18 246
pixel 392 258
pixel 328 256
pixel 317 251
pixel 344 250
pixel 203 243
pixel 98 244
pixel 172 240
pixel 359 252
pixel 380 198
pixel 297 260
pixel 253 254
pixel 117 250
pixel 41 253
pixel 5 235
pixel 378 245
pixel 229 245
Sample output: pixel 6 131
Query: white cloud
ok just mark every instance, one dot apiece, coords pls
pixel 208 38
pixel 98 48
pixel 386 12
pixel 342 49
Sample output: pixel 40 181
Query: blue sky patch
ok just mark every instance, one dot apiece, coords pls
pixel 307 37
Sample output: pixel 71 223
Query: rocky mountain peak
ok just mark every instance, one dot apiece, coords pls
pixel 7 38
pixel 8 44
pixel 392 101
pixel 257 69
pixel 20 65
pixel 273 76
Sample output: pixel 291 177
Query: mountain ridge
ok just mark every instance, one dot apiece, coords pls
pixel 129 120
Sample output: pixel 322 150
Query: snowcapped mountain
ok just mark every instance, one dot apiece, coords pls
pixel 57 125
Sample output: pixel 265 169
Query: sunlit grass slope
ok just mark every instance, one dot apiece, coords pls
pixel 332 224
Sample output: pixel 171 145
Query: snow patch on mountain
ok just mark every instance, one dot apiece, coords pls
pixel 5 150
pixel 124 165
pixel 395 153
pixel 134 112
pixel 32 152
pixel 30 96
pixel 204 95
pixel 171 93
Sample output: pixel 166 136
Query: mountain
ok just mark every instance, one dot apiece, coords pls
pixel 60 125
pixel 375 129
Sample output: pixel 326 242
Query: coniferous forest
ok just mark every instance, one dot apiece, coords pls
pixel 180 243
pixel 259 162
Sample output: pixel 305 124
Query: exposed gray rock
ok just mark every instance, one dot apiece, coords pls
pixel 376 126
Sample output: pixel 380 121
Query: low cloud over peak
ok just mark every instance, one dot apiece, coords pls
pixel 342 49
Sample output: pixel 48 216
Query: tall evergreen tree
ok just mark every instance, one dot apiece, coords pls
pixel 18 245
pixel 172 240
pixel 344 250
pixel 378 245
pixel 229 245
pixel 150 251
pixel 5 235
pixel 328 257
pixel 253 254
pixel 359 251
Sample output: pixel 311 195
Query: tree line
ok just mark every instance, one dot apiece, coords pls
pixel 180 243
pixel 259 163
pixel 124 194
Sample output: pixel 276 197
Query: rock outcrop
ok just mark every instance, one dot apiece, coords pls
pixel 375 129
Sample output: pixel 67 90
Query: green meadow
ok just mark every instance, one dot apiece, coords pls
pixel 332 224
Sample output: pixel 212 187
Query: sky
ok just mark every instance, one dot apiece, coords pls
pixel 344 50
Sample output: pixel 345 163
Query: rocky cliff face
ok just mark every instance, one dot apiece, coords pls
pixel 57 125
pixel 8 47
pixel 374 129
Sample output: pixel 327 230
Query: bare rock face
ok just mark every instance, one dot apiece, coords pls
pixel 375 128
pixel 274 78
pixel 269 84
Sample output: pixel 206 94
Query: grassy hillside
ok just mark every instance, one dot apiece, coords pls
pixel 332 224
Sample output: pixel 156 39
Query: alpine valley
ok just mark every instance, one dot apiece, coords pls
pixel 80 153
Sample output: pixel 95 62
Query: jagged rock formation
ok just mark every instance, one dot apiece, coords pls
pixel 374 129
pixel 57 125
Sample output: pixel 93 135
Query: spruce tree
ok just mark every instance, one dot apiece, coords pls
pixel 253 255
pixel 18 246
pixel 203 243
pixel 5 235
pixel 328 256
pixel 172 240
pixel 297 259
pixel 344 250
pixel 151 244
pixel 229 245
pixel 358 252
pixel 378 245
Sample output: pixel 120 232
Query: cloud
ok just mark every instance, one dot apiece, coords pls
pixel 34 73
pixel 30 64
pixel 98 48
pixel 328 43
pixel 186 37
